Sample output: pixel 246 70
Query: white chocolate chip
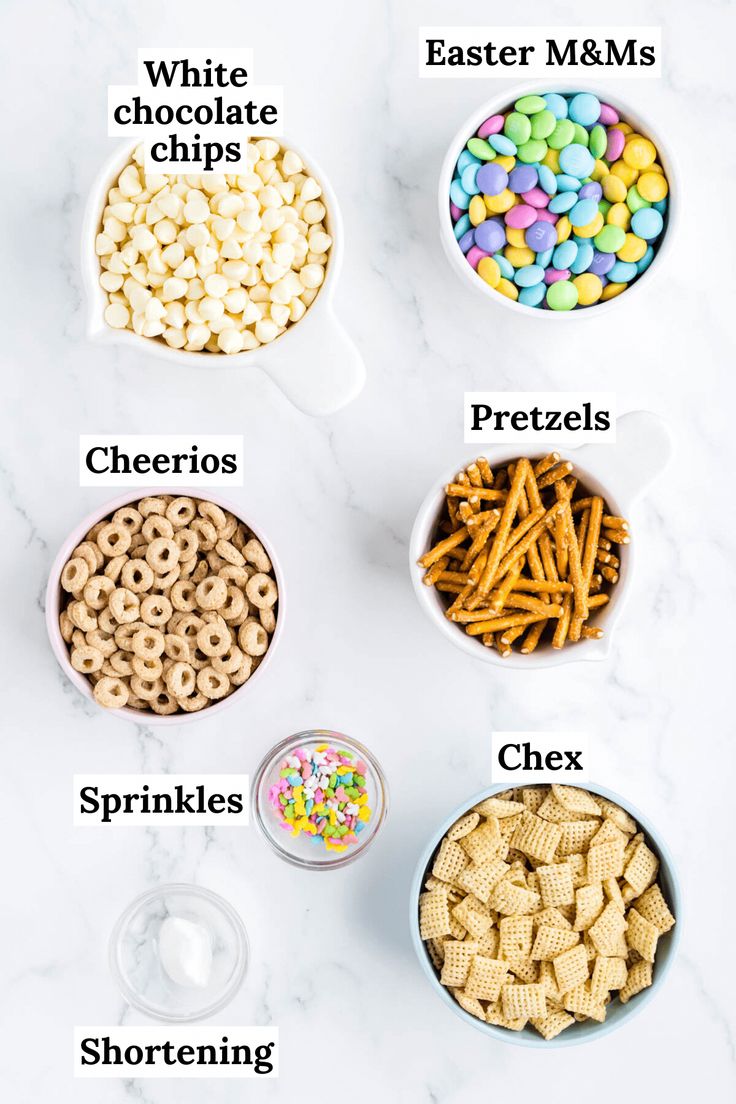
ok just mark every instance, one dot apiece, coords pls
pixel 214 262
pixel 117 316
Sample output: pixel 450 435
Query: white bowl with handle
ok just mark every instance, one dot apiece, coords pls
pixel 620 472
pixel 314 362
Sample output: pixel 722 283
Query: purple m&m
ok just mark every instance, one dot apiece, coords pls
pixel 541 236
pixel 491 179
pixel 490 236
pixel 544 187
pixel 522 179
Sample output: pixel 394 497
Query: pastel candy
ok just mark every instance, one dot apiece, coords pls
pixel 576 160
pixel 490 236
pixel 492 179
pixel 522 179
pixel 540 236
pixel 535 197
pixel 474 255
pixel 492 125
pixel 585 109
pixel 646 223
pixel 616 143
pixel 558 203
pixel 520 217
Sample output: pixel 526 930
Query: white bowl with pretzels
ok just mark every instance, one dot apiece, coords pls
pixel 532 568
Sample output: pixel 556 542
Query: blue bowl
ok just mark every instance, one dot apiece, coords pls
pixel 618 1013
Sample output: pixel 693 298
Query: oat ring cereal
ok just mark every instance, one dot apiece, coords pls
pixel 75 575
pixel 136 575
pixel 113 539
pixel 214 640
pixel 261 590
pixel 153 605
pixel 211 593
pixel 181 512
pixel 213 684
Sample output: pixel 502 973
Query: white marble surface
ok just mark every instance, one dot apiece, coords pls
pixel 331 955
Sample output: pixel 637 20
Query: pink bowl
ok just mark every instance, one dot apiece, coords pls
pixel 53 605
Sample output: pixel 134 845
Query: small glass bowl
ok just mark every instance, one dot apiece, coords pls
pixel 305 850
pixel 137 968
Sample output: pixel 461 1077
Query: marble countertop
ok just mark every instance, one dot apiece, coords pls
pixel 332 961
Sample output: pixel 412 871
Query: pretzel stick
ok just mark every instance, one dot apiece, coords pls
pixel 525 544
pixel 459 490
pixel 485 471
pixel 504 526
pixel 513 634
pixel 509 621
pixel 544 542
pixel 609 522
pixel 563 624
pixel 590 552
pixel 546 463
pixel 443 547
pixel 467 617
pixel 435 571
pixel 532 637
pixel 527 602
pixel 523 527
pixel 485 515
pixel 597 600
pixel 477 545
pixel 617 536
pixel 473 475
pixel 541 586
pixel 560 472
pixel 506 587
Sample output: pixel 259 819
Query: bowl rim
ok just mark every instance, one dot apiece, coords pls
pixel 179 889
pixel 425 521
pixel 492 106
pixel 566 1039
pixel 277 751
pixel 97 329
pixel 53 604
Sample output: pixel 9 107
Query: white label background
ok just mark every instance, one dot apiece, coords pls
pixel 192 1035
pixel 542 742
pixel 162 783
pixel 537 62
pixel 154 444
pixel 524 401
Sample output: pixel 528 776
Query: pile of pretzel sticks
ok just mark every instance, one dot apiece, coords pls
pixel 526 552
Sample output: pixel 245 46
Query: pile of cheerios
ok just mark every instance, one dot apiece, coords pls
pixel 171 604
pixel 213 262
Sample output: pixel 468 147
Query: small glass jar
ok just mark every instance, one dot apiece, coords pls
pixel 311 851
pixel 136 964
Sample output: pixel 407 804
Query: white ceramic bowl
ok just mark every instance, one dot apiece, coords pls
pixel 618 1013
pixel 314 362
pixel 619 472
pixel 53 606
pixel 500 103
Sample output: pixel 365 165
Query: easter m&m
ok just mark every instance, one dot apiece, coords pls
pixel 558 202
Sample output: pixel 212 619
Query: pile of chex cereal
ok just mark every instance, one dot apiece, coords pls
pixel 541 906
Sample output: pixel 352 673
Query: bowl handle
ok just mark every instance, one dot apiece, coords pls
pixel 336 372
pixel 642 450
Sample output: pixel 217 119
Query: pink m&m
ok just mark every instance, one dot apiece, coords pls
pixel 520 217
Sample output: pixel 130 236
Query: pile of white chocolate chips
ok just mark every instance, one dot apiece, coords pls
pixel 213 262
